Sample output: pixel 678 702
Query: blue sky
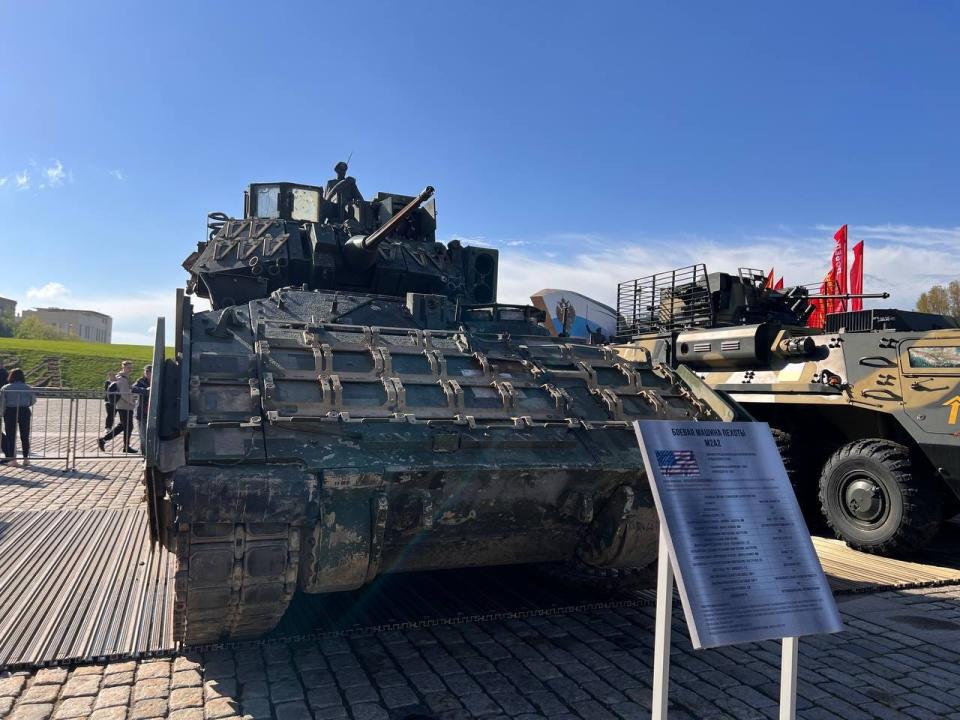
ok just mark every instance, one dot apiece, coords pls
pixel 590 142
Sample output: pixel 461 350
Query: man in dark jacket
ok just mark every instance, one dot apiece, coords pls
pixel 4 379
pixel 126 403
pixel 109 399
pixel 141 388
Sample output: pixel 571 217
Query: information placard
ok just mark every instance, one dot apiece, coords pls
pixel 744 563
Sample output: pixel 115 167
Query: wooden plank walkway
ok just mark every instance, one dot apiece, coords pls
pixel 80 579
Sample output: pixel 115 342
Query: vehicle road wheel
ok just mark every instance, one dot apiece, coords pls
pixel 872 499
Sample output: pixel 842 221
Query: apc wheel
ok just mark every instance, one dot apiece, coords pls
pixel 802 478
pixel 872 499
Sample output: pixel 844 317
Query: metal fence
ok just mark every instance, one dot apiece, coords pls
pixel 67 425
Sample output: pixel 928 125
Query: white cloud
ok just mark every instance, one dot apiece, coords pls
pixel 118 174
pixel 55 174
pixel 904 262
pixel 23 180
pixel 49 292
pixel 3 181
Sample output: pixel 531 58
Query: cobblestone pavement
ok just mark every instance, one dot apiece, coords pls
pixel 898 658
pixel 106 483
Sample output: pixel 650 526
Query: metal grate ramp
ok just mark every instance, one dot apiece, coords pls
pixel 81 585
pixel 850 571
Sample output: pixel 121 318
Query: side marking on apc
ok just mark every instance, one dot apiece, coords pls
pixel 954 404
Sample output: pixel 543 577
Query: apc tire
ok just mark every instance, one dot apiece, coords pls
pixel 802 478
pixel 872 498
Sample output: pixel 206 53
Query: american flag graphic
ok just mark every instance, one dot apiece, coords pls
pixel 677 462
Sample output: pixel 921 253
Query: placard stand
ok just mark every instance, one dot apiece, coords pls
pixel 661 647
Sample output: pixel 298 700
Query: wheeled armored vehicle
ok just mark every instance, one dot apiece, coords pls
pixel 356 402
pixel 865 410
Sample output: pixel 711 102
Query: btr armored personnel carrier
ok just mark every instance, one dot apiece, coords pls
pixel 865 411
pixel 356 402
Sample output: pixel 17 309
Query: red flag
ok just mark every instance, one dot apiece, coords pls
pixel 856 275
pixel 839 265
pixel 779 284
pixel 818 317
pixel 769 283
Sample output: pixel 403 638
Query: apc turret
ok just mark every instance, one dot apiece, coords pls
pixel 334 239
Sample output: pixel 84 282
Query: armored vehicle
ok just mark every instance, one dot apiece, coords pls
pixel 356 402
pixel 865 410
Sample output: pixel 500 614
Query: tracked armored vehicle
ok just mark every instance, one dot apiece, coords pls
pixel 356 402
pixel 865 411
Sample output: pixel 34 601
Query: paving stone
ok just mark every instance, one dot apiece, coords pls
pixel 112 696
pixel 219 708
pixel 41 694
pixel 185 662
pixel 397 697
pixel 32 712
pixel 193 714
pixel 331 712
pixel 441 702
pixel 186 698
pixel 112 668
pixel 368 711
pixel 6 705
pixel 285 691
pixel 80 686
pixel 217 689
pixel 117 712
pixel 255 708
pixel 153 669
pixel 51 676
pixel 292 711
pixel 461 685
pixel 427 682
pixel 119 678
pixel 74 707
pixel 82 670
pixel 480 704
pixel 149 708
pixel 185 678
pixel 156 687
pixel 360 694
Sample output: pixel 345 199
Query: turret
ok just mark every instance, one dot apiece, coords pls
pixel 334 239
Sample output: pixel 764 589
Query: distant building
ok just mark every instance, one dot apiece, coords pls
pixel 82 324
pixel 8 307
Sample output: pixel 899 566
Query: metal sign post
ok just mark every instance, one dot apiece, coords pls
pixel 733 537
pixel 661 638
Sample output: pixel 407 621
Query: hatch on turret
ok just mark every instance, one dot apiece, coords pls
pixel 284 201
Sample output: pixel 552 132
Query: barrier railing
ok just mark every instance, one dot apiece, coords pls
pixel 66 424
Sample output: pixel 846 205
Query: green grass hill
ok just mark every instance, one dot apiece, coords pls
pixel 82 364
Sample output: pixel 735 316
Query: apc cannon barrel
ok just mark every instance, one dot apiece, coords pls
pixel 360 250
pixel 850 296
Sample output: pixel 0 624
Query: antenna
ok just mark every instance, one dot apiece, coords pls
pixel 348 157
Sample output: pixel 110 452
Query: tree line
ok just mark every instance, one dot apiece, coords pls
pixel 29 328
pixel 941 299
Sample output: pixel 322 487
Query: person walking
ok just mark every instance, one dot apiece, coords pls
pixel 141 388
pixel 110 399
pixel 125 405
pixel 4 379
pixel 16 400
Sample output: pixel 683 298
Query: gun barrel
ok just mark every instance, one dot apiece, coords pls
pixel 371 241
pixel 850 296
